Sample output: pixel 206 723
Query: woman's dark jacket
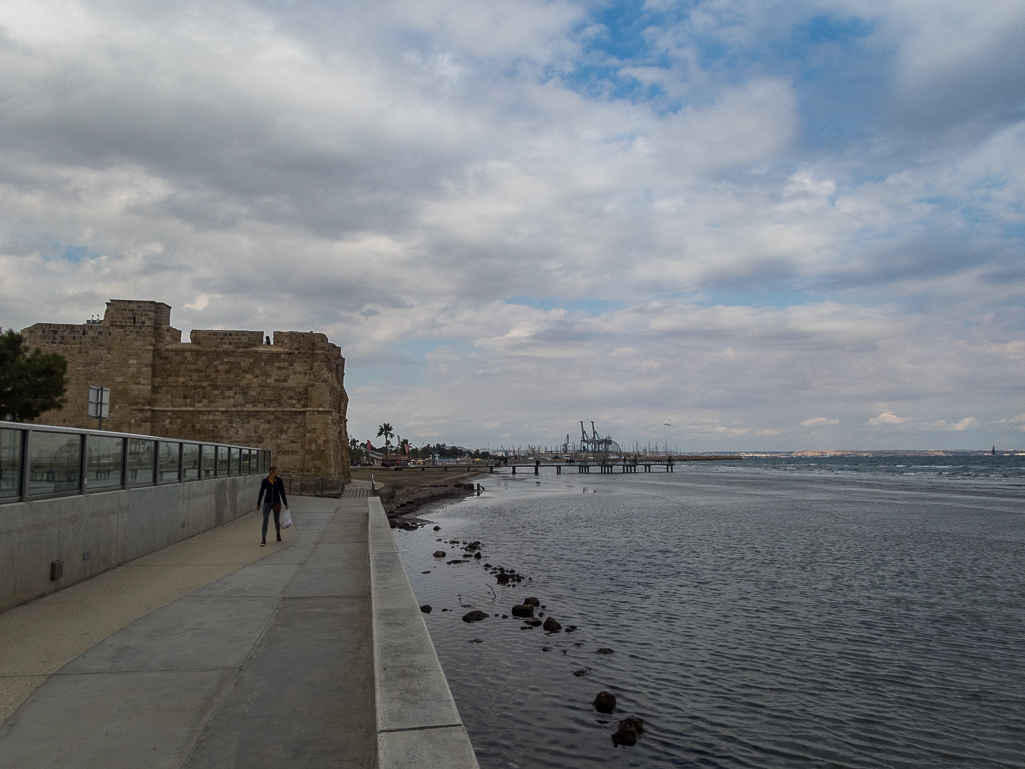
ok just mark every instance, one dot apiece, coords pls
pixel 275 492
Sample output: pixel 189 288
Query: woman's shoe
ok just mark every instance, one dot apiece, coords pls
pixel 262 544
pixel 279 537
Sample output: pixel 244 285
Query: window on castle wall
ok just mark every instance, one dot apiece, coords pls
pixel 209 461
pixel 103 462
pixel 190 461
pixel 54 462
pixel 141 456
pixel 170 456
pixel 10 463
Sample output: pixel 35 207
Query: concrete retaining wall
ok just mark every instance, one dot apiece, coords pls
pixel 418 724
pixel 92 533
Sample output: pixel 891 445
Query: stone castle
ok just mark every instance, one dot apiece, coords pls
pixel 226 386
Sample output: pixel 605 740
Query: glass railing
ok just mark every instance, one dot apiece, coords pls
pixel 38 461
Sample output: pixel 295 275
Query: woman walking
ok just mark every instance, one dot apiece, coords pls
pixel 275 490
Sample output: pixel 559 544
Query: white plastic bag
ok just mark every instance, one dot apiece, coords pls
pixel 286 518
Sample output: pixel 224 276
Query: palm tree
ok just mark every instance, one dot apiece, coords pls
pixel 388 432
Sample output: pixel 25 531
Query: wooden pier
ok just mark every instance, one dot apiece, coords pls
pixel 631 465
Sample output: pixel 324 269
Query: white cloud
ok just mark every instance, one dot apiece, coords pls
pixel 960 426
pixel 420 172
pixel 965 424
pixel 888 418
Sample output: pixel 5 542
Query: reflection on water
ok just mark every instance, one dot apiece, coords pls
pixel 756 618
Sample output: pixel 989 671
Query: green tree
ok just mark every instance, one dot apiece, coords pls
pixel 31 382
pixel 357 451
pixel 388 432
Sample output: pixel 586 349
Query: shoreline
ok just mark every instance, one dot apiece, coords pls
pixel 404 493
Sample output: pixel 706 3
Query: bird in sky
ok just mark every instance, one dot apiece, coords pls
pixel 668 425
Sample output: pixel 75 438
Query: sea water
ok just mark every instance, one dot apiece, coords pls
pixel 768 613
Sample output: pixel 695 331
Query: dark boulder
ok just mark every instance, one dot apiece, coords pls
pixel 629 730
pixel 426 608
pixel 523 610
pixel 604 702
pixel 439 553
pixel 474 616
pixel 551 626
pixel 531 601
pixel 477 556
pixel 580 673
pixel 604 650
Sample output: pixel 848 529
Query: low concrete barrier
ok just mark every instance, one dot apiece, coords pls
pixel 418 725
pixel 92 533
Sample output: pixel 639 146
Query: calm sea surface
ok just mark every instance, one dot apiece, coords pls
pixel 763 613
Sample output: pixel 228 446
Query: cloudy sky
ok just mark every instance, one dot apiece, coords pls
pixel 771 225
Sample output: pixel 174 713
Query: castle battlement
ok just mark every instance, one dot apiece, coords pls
pixel 226 340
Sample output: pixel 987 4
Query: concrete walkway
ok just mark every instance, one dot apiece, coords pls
pixel 278 664
pixel 270 666
pixel 40 637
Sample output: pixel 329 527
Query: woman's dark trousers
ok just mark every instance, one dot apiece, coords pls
pixel 268 508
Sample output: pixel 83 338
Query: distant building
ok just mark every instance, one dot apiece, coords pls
pixel 227 386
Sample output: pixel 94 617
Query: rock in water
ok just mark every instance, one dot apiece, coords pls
pixel 581 672
pixel 474 616
pixel 523 610
pixel 439 553
pixel 531 601
pixel 605 702
pixel 437 528
pixel 551 626
pixel 629 730
pixel 426 608
pixel 604 650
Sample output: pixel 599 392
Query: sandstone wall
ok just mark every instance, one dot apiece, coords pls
pixel 225 386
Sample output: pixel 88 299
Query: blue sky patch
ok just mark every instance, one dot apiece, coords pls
pixel 75 254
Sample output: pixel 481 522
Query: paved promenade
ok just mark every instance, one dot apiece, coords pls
pixel 315 655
